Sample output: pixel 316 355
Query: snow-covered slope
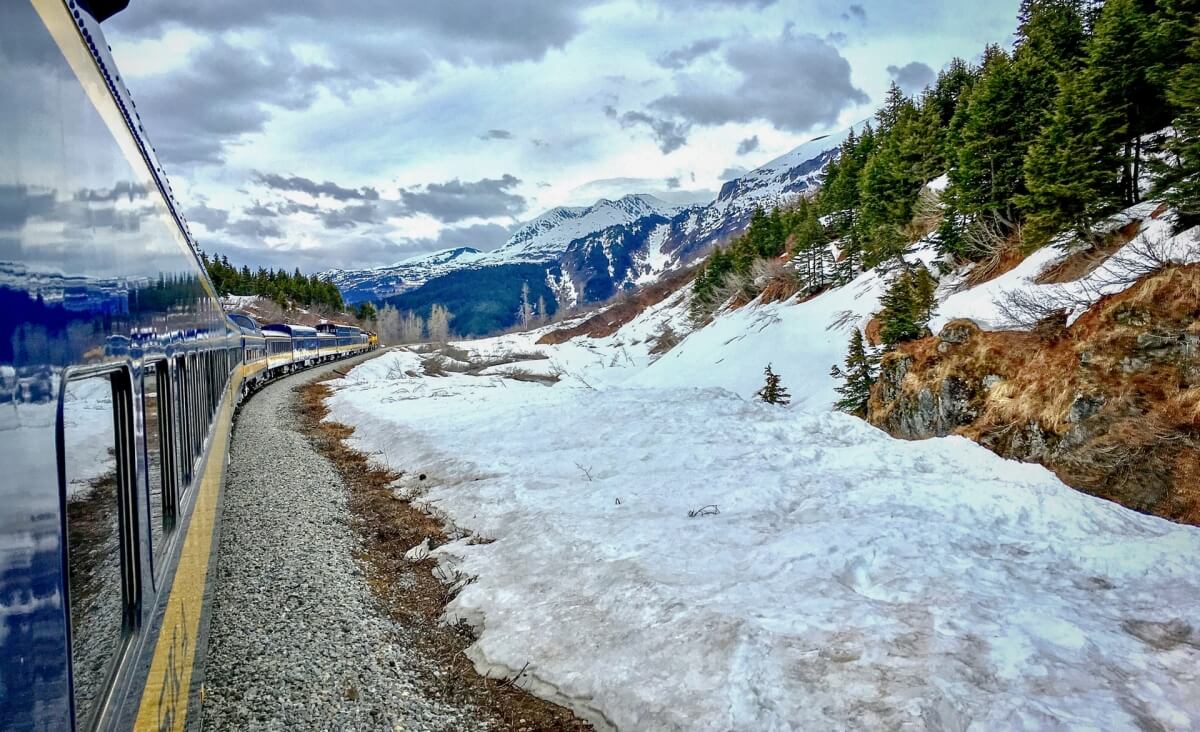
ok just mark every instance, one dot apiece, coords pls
pixel 664 552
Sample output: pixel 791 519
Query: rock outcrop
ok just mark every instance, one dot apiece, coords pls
pixel 1111 403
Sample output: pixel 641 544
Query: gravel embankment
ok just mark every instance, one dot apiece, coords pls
pixel 298 640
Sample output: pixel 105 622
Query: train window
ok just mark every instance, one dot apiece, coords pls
pixel 154 440
pixel 102 576
pixel 183 419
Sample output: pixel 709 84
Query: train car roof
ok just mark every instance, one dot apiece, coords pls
pixel 293 330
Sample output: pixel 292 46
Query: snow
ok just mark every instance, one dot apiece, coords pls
pixel 984 303
pixel 239 302
pixel 843 580
pixel 850 580
pixel 801 341
pixel 87 432
pixel 547 236
pixel 939 184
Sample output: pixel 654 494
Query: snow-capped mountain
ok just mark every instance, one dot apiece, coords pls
pixel 548 236
pixel 572 256
pixel 408 274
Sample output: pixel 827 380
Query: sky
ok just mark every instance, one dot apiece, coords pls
pixel 357 133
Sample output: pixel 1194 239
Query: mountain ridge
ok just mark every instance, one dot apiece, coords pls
pixel 590 253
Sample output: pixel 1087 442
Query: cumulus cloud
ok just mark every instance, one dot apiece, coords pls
pixel 795 81
pixel 671 135
pixel 913 76
pixel 736 171
pixel 232 84
pixel 457 200
pixel 305 185
pixel 681 57
pixel 855 12
pixel 748 145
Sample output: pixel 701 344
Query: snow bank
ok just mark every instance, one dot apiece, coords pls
pixel 849 580
pixel 985 303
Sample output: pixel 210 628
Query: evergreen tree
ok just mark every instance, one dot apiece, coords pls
pixel 987 172
pixel 1185 96
pixel 1118 66
pixel 890 111
pixel 907 306
pixel 773 392
pixel 1070 180
pixel 858 377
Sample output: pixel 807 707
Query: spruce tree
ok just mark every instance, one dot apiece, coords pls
pixel 1118 66
pixel 1185 96
pixel 773 392
pixel 1070 180
pixel 908 306
pixel 858 376
pixel 987 172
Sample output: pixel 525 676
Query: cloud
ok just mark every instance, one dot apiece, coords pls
pixel 855 12
pixel 796 82
pixel 254 229
pixel 305 185
pixel 913 76
pixel 681 57
pixel 458 31
pixel 477 236
pixel 748 145
pixel 223 92
pixel 736 171
pixel 246 69
pixel 350 216
pixel 457 200
pixel 213 219
pixel 496 135
pixel 122 189
pixel 692 4
pixel 260 210
pixel 671 135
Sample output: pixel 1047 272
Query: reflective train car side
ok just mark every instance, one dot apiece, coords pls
pixel 119 376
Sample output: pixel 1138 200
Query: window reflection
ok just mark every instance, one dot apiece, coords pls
pixel 90 449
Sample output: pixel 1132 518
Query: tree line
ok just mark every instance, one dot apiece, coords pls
pixel 286 290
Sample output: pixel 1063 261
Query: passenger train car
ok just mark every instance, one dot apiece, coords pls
pixel 119 376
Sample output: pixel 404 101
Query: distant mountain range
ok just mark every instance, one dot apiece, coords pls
pixel 573 256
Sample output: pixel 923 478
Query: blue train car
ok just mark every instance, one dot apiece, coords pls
pixel 304 341
pixel 121 365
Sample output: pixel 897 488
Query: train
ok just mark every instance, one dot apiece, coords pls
pixel 120 374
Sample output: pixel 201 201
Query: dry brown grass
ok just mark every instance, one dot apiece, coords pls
pixel 1141 447
pixel 410 592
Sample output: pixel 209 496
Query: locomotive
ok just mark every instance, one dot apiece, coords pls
pixel 119 376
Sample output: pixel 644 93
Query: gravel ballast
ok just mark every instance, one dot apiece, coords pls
pixel 297 638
